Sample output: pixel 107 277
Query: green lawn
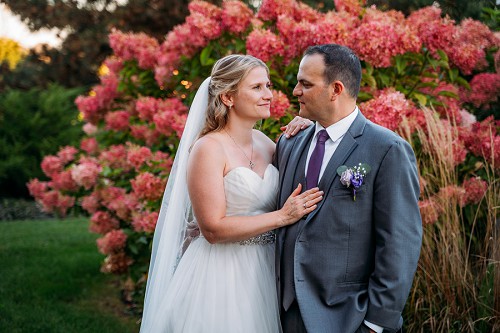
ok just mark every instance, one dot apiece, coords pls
pixel 50 280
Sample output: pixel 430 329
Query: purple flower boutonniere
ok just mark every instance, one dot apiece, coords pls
pixel 353 177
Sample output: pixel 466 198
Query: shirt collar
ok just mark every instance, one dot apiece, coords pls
pixel 339 129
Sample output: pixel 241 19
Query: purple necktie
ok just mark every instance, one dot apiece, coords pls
pixel 316 160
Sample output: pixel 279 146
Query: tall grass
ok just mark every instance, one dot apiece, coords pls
pixel 456 287
pixel 50 281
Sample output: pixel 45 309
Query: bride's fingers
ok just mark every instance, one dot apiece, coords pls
pixel 297 190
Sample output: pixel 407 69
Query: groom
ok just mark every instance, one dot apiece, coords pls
pixel 348 266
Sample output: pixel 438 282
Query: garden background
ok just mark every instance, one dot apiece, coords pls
pixel 90 131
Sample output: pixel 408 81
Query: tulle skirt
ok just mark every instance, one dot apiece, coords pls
pixel 222 288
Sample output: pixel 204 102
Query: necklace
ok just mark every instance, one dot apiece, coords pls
pixel 251 164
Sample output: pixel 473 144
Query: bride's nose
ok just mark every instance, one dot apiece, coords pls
pixel 268 95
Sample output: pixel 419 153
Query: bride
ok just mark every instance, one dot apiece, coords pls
pixel 222 181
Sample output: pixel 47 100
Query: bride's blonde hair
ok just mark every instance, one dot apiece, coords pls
pixel 227 74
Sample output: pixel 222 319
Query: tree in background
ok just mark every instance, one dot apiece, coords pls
pixel 87 24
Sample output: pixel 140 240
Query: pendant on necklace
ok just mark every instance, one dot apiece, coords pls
pixel 252 165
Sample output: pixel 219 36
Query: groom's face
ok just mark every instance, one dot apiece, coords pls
pixel 311 89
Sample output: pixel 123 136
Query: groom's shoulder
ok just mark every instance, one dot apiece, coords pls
pixel 381 135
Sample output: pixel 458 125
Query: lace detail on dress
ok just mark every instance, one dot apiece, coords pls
pixel 263 239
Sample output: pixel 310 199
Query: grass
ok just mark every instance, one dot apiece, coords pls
pixel 50 280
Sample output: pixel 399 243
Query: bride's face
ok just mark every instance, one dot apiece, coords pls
pixel 253 98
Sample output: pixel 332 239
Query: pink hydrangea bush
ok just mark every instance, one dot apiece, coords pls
pixel 135 116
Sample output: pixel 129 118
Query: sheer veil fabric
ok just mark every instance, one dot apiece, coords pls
pixel 175 214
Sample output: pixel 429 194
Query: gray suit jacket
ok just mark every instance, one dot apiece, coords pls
pixel 355 260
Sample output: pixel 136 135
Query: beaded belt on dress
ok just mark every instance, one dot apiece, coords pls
pixel 263 239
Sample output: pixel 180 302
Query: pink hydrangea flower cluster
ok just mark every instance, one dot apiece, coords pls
pixel 55 201
pixel 464 44
pixel 280 104
pixel 103 222
pixel 91 202
pixel 86 174
pixel 485 89
pixel 67 154
pixel 145 221
pixel 204 24
pixel 94 106
pixel 388 108
pixel 475 189
pixel 264 44
pixel 113 242
pixel 116 263
pixel 117 120
pixel 52 165
pixel 89 145
pixel 145 133
pixel 270 10
pixel 138 156
pixel 353 7
pixel 138 46
pixel 483 139
pixel 148 187
pixel 115 157
pixel 381 36
pixel 171 115
pixel 63 181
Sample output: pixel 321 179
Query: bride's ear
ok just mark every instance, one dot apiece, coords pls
pixel 227 100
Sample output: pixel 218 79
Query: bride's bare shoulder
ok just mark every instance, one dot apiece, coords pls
pixel 210 145
pixel 264 140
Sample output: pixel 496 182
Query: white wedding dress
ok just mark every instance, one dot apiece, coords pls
pixel 230 287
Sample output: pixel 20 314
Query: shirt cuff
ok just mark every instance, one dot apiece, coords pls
pixel 374 327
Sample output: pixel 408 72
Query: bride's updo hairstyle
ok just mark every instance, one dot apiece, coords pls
pixel 226 76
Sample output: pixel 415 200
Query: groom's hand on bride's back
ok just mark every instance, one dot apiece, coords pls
pixel 295 126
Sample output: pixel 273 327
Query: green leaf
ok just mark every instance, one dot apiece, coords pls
pixel 205 59
pixel 448 94
pixel 365 166
pixel 369 80
pixel 422 99
pixel 443 55
pixel 341 169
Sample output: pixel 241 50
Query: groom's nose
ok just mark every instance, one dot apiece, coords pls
pixel 297 91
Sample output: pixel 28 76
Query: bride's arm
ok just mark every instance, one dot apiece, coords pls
pixel 206 190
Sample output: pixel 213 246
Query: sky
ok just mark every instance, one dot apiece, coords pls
pixel 12 27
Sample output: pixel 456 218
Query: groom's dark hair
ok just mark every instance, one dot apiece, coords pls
pixel 341 64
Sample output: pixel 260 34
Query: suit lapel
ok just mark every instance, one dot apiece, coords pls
pixel 347 145
pixel 288 176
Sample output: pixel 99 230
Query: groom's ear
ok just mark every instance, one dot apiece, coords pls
pixel 336 89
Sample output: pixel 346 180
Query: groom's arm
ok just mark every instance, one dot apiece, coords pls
pixel 398 235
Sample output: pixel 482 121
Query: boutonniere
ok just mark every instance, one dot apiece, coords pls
pixel 353 177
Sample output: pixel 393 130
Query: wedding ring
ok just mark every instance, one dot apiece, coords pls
pixel 304 205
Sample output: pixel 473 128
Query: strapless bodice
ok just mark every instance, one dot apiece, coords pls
pixel 249 194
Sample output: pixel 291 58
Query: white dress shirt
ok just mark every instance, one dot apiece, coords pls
pixel 335 132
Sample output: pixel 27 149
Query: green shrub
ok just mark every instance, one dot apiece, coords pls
pixel 33 124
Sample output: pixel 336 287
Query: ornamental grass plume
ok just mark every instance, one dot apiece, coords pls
pixel 452 270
